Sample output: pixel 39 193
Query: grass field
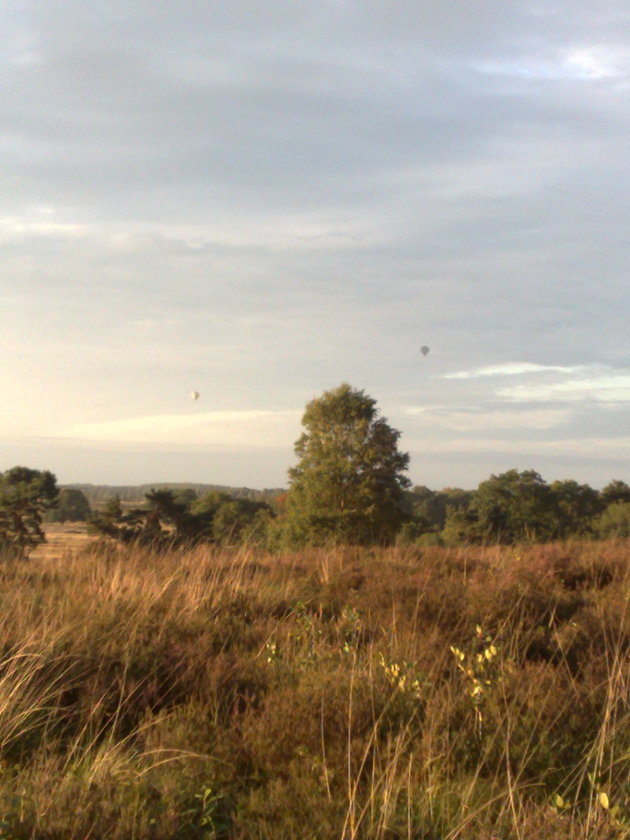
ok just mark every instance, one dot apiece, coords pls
pixel 352 693
pixel 62 539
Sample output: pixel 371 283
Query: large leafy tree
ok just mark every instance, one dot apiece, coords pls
pixel 576 507
pixel 25 494
pixel 348 484
pixel 512 507
pixel 615 491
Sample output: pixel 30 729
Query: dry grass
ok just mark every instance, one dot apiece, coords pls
pixel 63 539
pixel 213 694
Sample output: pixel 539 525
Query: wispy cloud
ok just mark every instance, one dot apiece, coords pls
pixel 600 61
pixel 489 421
pixel 593 61
pixel 550 383
pixel 511 369
pixel 590 447
pixel 256 428
pixel 604 388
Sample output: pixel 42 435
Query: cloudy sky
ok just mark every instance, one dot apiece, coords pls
pixel 261 200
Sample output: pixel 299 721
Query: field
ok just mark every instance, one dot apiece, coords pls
pixel 61 540
pixel 478 693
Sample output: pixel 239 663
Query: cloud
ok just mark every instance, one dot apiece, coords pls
pixel 586 63
pixel 601 61
pixel 509 369
pixel 490 422
pixel 572 447
pixel 219 428
pixel 595 382
pixel 604 388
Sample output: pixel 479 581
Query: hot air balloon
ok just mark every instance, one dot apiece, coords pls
pixel 194 395
pixel 424 350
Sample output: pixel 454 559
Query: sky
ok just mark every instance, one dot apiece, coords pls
pixel 260 201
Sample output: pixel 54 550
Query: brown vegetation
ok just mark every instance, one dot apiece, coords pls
pixel 399 693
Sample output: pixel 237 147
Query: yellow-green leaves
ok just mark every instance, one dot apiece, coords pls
pixel 480 669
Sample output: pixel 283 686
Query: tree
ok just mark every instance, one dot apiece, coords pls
pixel 614 521
pixel 25 494
pixel 233 520
pixel 240 521
pixel 164 521
pixel 576 507
pixel 430 508
pixel 108 521
pixel 185 496
pixel 172 519
pixel 348 484
pixel 72 506
pixel 461 527
pixel 512 507
pixel 616 491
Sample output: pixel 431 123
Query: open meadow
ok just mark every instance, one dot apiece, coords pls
pixel 477 693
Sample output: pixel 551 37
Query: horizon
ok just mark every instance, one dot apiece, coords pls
pixel 285 487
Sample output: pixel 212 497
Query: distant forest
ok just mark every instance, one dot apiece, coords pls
pixel 99 494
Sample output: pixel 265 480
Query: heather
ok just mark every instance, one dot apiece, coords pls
pixel 403 692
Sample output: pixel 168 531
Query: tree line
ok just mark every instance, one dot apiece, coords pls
pixel 98 494
pixel 517 507
pixel 348 486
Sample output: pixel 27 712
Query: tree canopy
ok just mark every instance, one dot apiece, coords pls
pixel 349 480
pixel 72 506
pixel 170 518
pixel 25 494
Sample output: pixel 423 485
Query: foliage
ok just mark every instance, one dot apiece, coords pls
pixel 72 506
pixel 432 506
pixel 462 527
pixel 521 507
pixel 514 506
pixel 176 518
pixel 614 521
pixel 478 667
pixel 25 494
pixel 615 491
pixel 99 494
pixel 575 507
pixel 348 483
pixel 234 521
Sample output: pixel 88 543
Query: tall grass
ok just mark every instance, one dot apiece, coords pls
pixel 429 695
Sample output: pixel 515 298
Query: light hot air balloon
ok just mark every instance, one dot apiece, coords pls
pixel 194 395
pixel 424 350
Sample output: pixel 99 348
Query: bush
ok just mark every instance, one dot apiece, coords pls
pixel 614 521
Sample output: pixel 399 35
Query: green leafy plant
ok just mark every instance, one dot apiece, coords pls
pixel 207 817
pixel 480 670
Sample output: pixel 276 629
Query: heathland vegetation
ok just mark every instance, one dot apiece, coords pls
pixel 478 693
pixel 350 659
